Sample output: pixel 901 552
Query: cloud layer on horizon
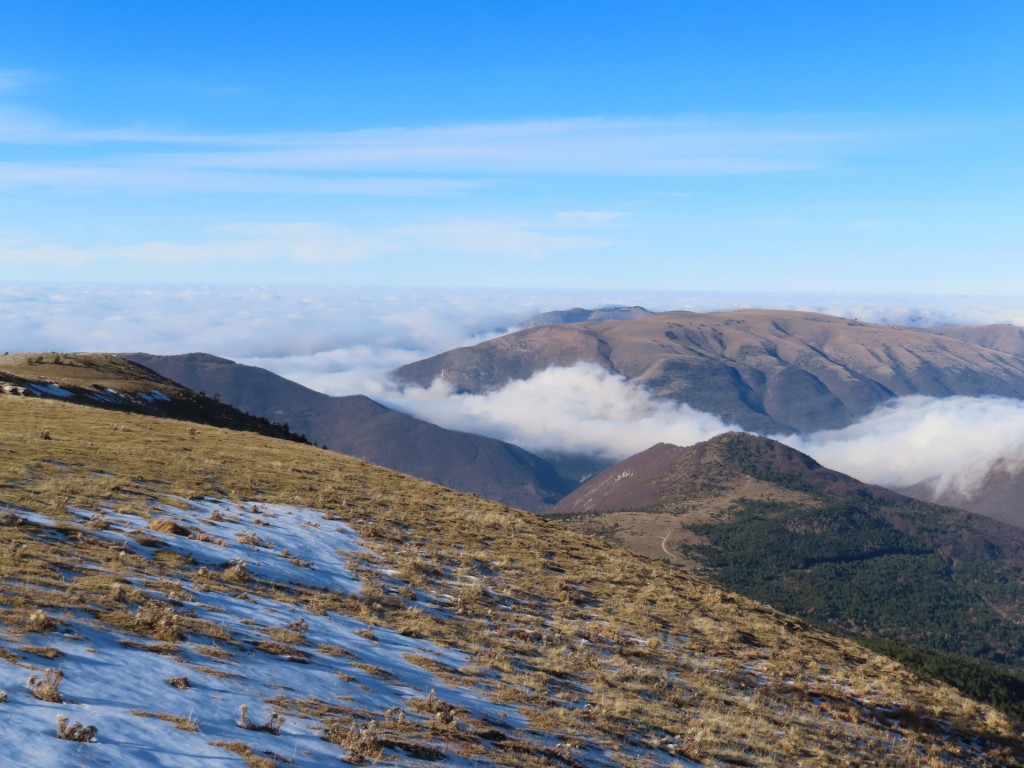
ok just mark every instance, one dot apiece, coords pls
pixel 282 322
pixel 346 340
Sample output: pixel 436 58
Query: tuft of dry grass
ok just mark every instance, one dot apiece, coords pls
pixel 76 732
pixel 47 687
pixel 188 723
pixel 166 525
pixel 360 742
pixel 272 724
pixel 247 753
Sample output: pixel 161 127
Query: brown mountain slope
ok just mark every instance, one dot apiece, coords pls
pixel 765 370
pixel 768 521
pixel 668 475
pixel 358 426
pixel 1002 337
pixel 110 382
pixel 437 627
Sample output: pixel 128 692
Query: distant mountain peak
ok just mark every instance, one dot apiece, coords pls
pixel 666 473
pixel 581 315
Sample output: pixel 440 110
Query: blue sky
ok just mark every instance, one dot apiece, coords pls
pixel 811 146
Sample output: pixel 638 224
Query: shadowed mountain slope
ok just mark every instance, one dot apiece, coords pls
pixel 768 371
pixel 361 427
pixel 770 522
pixel 218 598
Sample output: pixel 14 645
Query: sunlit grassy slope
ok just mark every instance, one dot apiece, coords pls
pixel 387 619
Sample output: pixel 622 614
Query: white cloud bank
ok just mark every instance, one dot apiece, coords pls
pixel 580 409
pixel 345 340
pixel 951 443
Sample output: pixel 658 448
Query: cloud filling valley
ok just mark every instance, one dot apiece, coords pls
pixel 345 340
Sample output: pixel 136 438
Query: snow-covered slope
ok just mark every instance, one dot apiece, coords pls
pixel 272 655
pixel 168 576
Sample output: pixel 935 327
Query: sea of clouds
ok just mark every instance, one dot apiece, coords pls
pixel 346 340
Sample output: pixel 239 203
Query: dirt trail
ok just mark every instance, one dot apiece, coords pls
pixel 709 511
pixel 664 547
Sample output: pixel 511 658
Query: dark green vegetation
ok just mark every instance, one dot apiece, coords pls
pixel 991 683
pixel 769 522
pixel 845 567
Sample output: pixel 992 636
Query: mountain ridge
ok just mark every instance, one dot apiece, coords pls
pixel 360 426
pixel 768 371
pixel 108 381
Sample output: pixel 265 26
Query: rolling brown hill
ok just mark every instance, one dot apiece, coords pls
pixel 363 616
pixel 768 371
pixel 768 521
pixel 359 426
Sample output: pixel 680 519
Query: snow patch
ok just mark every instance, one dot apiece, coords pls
pixel 113 678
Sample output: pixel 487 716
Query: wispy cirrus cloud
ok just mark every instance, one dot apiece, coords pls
pixel 324 243
pixel 677 146
pixel 431 158
pixel 169 179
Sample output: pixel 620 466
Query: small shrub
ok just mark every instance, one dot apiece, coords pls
pixel 252 539
pixel 47 687
pixel 156 620
pixel 361 743
pixel 238 572
pixel 40 622
pixel 272 725
pixel 76 732
pixel 166 525
pixel 181 683
pixel 3 696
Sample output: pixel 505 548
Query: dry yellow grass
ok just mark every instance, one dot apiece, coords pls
pixel 594 645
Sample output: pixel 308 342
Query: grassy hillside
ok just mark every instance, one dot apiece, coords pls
pixel 174 573
pixel 115 384
pixel 762 519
